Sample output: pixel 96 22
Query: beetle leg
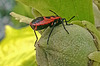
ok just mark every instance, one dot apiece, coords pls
pixel 68 20
pixel 52 23
pixel 36 37
pixel 35 28
pixel 51 31
pixel 64 26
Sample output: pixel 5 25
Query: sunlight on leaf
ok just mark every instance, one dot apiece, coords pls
pixel 17 49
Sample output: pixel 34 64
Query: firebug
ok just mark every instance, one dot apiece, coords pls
pixel 52 21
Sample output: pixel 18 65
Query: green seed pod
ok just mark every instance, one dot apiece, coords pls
pixel 65 49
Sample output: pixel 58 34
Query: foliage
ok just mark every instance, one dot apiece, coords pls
pixel 82 9
pixel 23 10
pixel 17 48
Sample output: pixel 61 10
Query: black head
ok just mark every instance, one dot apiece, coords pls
pixel 53 12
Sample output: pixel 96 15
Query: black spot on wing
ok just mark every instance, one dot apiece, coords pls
pixel 47 17
pixel 53 16
pixel 37 20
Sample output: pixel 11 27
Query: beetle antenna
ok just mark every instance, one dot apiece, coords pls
pixel 53 12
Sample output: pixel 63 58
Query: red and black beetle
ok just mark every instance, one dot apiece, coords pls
pixel 43 22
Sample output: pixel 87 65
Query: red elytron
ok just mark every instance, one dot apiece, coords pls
pixel 43 22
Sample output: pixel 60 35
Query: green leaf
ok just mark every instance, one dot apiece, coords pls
pixel 22 10
pixel 17 48
pixel 82 9
pixel 95 56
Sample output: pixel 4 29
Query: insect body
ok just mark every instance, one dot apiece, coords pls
pixel 43 22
